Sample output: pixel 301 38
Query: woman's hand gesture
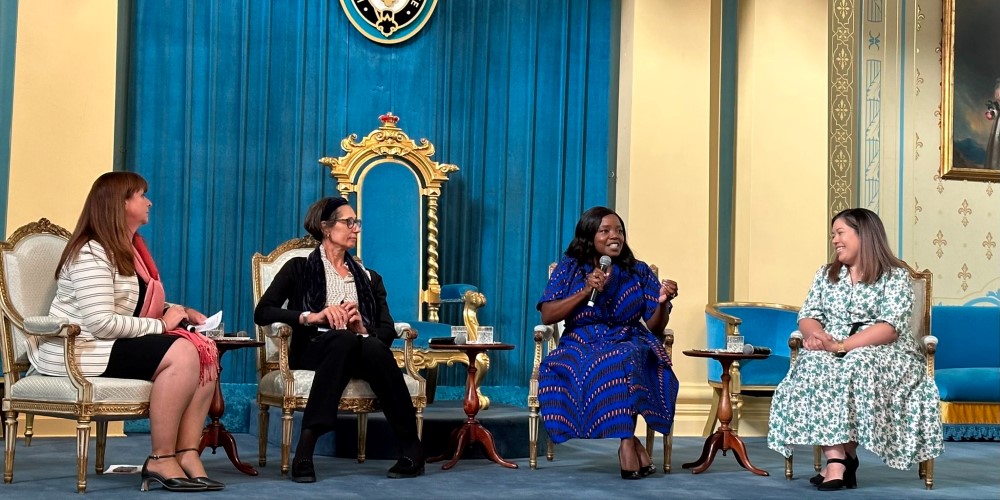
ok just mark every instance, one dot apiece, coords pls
pixel 354 322
pixel 668 290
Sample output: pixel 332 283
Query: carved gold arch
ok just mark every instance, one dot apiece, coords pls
pixel 389 142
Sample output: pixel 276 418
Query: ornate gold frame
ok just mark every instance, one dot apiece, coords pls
pixel 948 170
pixel 390 143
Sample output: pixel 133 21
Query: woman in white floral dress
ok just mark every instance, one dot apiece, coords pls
pixel 861 378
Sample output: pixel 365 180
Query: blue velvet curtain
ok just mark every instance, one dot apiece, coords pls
pixel 232 102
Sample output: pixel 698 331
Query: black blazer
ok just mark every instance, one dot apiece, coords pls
pixel 287 286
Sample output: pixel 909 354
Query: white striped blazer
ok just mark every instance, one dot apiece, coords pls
pixel 91 293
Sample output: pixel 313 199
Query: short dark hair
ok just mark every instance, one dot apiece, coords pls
pixel 582 247
pixel 875 258
pixel 323 211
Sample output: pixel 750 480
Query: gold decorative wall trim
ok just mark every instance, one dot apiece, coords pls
pixel 842 107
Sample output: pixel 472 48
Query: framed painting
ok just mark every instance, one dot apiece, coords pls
pixel 970 90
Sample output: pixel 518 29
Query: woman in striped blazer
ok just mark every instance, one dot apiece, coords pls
pixel 109 285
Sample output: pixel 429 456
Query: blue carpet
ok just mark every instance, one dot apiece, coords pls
pixel 582 469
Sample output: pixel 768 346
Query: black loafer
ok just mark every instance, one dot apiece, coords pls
pixel 406 467
pixel 303 471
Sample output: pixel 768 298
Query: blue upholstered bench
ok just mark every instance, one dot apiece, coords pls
pixel 967 370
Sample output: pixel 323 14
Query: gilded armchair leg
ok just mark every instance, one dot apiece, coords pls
pixel 420 423
pixel 788 467
pixel 817 455
pixel 82 447
pixel 668 450
pixel 737 400
pixel 533 437
pixel 286 438
pixel 263 422
pixel 10 439
pixel 928 467
pixel 650 442
pixel 550 449
pixel 482 365
pixel 713 413
pixel 29 428
pixel 102 444
pixel 362 436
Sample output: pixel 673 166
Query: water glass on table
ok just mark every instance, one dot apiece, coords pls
pixel 217 332
pixel 734 343
pixel 485 335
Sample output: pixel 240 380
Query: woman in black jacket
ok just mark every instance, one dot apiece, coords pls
pixel 341 329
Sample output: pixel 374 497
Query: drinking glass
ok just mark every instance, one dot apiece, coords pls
pixel 734 343
pixel 217 332
pixel 485 335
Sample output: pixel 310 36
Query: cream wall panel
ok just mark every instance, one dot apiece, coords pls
pixel 952 226
pixel 665 108
pixel 781 149
pixel 62 130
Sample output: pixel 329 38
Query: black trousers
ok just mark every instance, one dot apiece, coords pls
pixel 337 356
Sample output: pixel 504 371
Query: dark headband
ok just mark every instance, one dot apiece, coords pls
pixel 332 204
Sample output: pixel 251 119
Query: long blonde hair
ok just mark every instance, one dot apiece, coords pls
pixel 103 220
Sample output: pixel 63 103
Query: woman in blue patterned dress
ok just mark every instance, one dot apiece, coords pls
pixel 609 366
pixel 861 377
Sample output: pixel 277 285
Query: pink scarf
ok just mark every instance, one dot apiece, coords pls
pixel 152 307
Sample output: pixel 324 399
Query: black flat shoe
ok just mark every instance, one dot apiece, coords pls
pixel 210 484
pixel 647 470
pixel 406 467
pixel 816 480
pixel 169 484
pixel 836 484
pixel 303 471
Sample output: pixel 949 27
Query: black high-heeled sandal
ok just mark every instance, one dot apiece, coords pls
pixel 851 475
pixel 169 484
pixel 210 484
pixel 627 474
pixel 644 470
pixel 836 484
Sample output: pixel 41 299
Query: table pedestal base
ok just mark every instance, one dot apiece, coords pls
pixel 470 432
pixel 724 440
pixel 216 435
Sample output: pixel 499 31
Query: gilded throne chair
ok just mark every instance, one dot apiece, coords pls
pixel 395 187
pixel 282 387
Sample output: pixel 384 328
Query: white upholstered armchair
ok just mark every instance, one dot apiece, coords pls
pixel 27 285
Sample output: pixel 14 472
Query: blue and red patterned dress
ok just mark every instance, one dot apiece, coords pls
pixel 608 365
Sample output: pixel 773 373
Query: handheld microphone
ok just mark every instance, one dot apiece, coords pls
pixel 605 264
pixel 752 349
pixel 185 324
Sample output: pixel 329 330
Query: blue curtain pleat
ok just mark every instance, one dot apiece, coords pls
pixel 232 102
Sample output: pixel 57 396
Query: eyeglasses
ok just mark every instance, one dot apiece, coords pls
pixel 350 222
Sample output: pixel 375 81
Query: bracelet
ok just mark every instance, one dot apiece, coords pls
pixel 164 323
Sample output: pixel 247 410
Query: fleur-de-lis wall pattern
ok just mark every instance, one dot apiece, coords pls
pixel 947 226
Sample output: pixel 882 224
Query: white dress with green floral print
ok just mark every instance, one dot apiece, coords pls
pixel 879 396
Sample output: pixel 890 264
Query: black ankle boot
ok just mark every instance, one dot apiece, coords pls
pixel 303 471
pixel 407 467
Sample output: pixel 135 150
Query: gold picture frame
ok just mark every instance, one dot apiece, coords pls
pixel 961 149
